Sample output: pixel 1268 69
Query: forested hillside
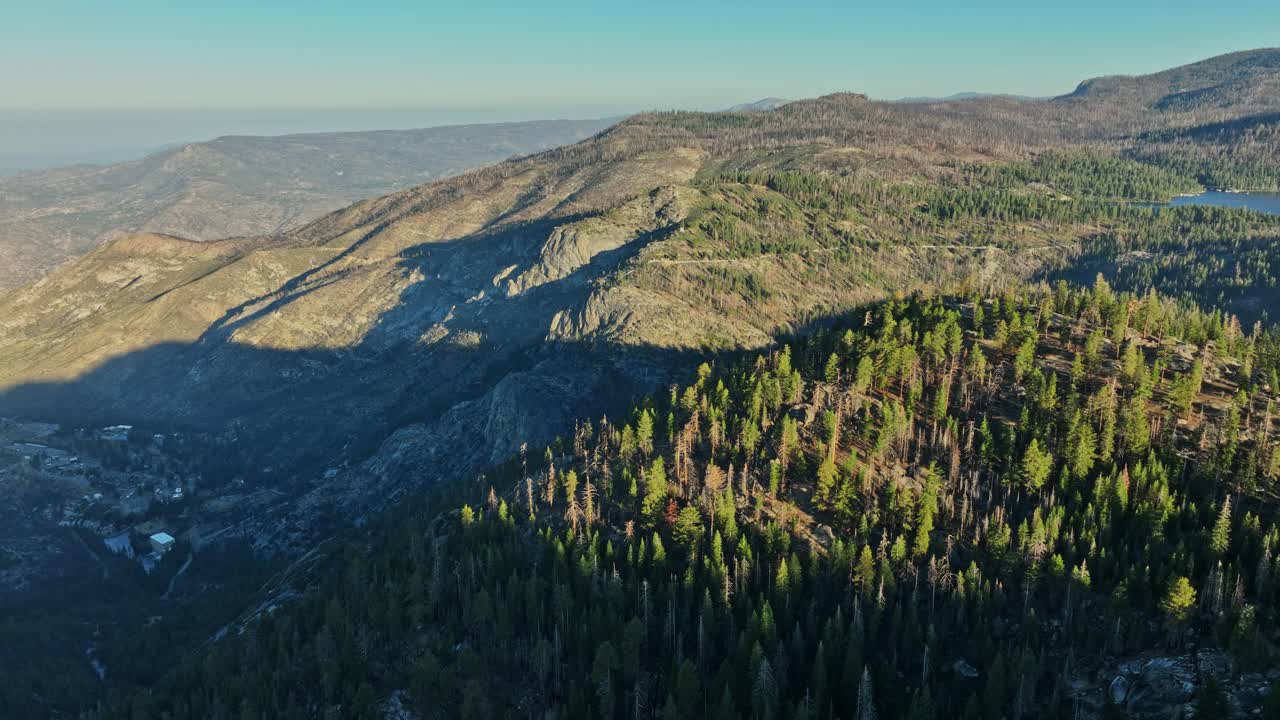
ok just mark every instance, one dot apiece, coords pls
pixel 1031 504
pixel 776 249
pixel 1027 467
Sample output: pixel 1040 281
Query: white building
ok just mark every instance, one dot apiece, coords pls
pixel 162 542
pixel 115 433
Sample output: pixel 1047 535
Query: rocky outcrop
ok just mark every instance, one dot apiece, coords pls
pixel 1162 685
pixel 571 247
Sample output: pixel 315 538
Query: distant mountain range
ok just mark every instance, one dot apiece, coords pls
pixel 963 96
pixel 20 162
pixel 771 103
pixel 761 105
pixel 242 185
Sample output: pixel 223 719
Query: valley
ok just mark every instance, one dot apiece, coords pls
pixel 902 319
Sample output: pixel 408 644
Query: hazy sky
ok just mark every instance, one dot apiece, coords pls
pixel 422 61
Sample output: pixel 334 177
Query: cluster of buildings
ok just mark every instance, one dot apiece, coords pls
pixel 122 487
pixel 51 458
pixel 157 544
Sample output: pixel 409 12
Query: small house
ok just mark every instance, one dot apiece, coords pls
pixel 115 433
pixel 162 542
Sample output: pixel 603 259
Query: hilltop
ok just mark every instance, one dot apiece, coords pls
pixel 1236 82
pixel 242 185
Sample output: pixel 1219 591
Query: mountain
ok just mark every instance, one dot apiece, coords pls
pixel 428 337
pixel 242 185
pixel 760 105
pixel 1215 119
pixel 961 96
pixel 617 242
pixel 1236 83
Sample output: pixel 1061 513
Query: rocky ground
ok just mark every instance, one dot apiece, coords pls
pixel 1156 685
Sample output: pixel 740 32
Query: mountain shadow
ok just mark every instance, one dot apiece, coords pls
pixel 439 347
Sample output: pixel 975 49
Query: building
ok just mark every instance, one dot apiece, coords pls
pixel 162 542
pixel 115 433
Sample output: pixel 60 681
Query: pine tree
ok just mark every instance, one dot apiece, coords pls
pixel 688 527
pixel 764 692
pixel 1220 538
pixel 726 710
pixel 863 374
pixel 655 491
pixel 866 704
pixel 1036 466
pixel 1025 359
pixel 1212 702
pixel 644 432
pixel 925 510
pixel 831 373
pixel 921 706
pixel 941 401
pixel 818 680
pixel 1136 429
pixel 1178 602
pixel 1081 446
pixel 606 661
pixel 864 573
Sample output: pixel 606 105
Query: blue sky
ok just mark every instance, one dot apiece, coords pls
pixel 97 74
pixel 578 56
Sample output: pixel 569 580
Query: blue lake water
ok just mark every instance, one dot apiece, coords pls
pixel 1267 202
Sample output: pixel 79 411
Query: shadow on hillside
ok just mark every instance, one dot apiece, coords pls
pixel 304 410
pixel 455 336
pixel 1250 303
pixel 442 344
pixel 1210 131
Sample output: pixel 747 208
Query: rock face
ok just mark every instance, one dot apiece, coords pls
pixel 570 247
pixel 1156 686
pixel 1161 682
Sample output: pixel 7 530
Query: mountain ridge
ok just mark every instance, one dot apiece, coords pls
pixel 1235 77
pixel 242 185
pixel 371 263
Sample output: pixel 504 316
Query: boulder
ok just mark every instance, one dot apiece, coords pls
pixel 1119 689
pixel 1168 681
pixel 964 669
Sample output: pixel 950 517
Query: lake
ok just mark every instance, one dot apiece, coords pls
pixel 1267 202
